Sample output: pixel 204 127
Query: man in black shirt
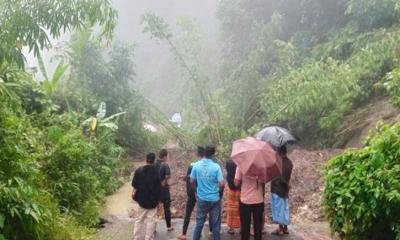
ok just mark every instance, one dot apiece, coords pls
pixel 280 194
pixel 147 187
pixel 165 174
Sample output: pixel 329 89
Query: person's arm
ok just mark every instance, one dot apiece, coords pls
pixel 167 170
pixel 135 179
pixel 134 184
pixel 221 181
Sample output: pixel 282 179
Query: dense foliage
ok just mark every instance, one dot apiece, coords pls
pixel 301 64
pixel 362 198
pixel 40 197
pixel 61 140
pixel 25 23
pixel 392 84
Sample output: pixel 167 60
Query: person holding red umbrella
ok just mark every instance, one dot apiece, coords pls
pixel 251 204
pixel 257 163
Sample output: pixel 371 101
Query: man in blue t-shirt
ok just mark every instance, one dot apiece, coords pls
pixel 207 177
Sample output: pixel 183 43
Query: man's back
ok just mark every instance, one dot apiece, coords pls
pixel 147 183
pixel 163 169
pixel 207 174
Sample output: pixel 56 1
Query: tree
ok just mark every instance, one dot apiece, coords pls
pixel 32 22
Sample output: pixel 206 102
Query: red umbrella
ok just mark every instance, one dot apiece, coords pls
pixel 256 158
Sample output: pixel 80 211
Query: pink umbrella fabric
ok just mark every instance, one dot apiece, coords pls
pixel 256 158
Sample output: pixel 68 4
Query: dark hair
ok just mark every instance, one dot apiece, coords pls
pixel 209 151
pixel 200 151
pixel 282 150
pixel 163 153
pixel 150 158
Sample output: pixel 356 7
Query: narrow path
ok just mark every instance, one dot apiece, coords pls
pixel 120 206
pixel 120 225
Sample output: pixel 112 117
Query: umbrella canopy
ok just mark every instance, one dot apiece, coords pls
pixel 277 136
pixel 256 158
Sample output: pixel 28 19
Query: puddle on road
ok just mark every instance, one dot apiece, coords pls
pixel 120 203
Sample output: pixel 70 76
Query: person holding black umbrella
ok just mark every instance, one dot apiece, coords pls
pixel 280 194
pixel 279 137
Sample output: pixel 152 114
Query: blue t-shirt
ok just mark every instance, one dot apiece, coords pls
pixel 207 174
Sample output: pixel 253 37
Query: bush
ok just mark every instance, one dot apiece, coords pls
pixel 367 14
pixel 362 194
pixel 21 210
pixel 392 85
pixel 80 169
pixel 316 96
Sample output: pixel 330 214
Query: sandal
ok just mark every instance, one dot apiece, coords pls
pixel 182 237
pixel 278 232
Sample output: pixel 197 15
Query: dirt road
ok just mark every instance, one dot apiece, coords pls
pixel 304 200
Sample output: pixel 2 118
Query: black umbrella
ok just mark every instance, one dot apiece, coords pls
pixel 277 136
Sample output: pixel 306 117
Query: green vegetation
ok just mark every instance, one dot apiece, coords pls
pixel 62 139
pixel 362 198
pixel 306 65
pixel 303 64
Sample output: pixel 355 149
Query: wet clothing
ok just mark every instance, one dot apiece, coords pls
pixel 232 208
pixel 147 183
pixel 213 209
pixel 189 189
pixel 230 167
pixel 252 191
pixel 165 171
pixel 233 196
pixel 280 210
pixel 280 186
pixel 146 219
pixel 207 174
pixel 246 213
pixel 190 203
pixel 251 204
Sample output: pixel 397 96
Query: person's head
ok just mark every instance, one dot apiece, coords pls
pixel 209 151
pixel 282 150
pixel 200 151
pixel 150 158
pixel 163 154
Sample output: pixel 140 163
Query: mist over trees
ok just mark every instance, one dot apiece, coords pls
pixel 69 126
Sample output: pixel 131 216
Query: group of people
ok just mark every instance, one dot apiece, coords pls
pixel 205 186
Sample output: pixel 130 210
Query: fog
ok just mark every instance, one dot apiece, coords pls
pixel 156 68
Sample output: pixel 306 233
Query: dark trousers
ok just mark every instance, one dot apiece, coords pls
pixel 166 200
pixel 246 211
pixel 190 203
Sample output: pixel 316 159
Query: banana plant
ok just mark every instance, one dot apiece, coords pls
pixel 100 122
pixel 51 85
